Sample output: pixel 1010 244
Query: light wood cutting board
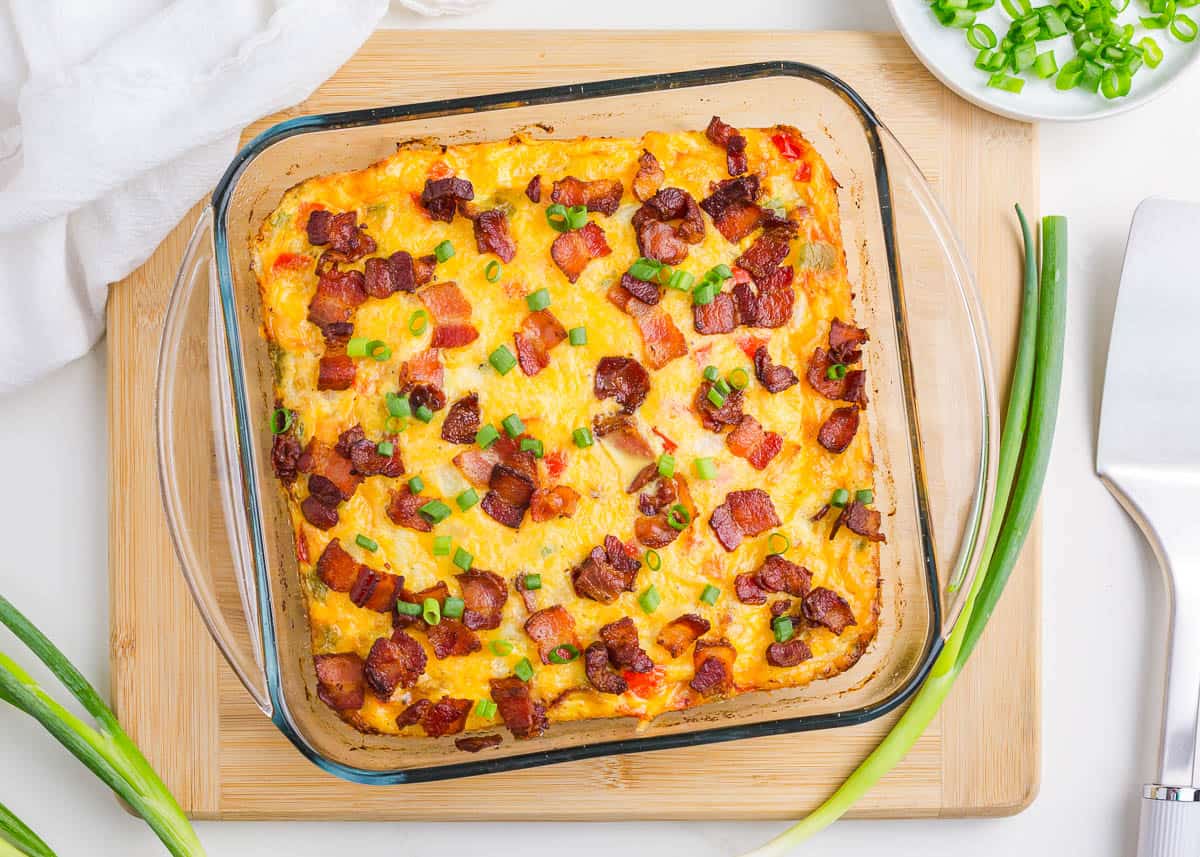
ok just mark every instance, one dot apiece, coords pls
pixel 223 759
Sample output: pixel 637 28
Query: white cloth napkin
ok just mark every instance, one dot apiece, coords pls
pixel 116 117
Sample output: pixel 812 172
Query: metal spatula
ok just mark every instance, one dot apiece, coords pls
pixel 1149 457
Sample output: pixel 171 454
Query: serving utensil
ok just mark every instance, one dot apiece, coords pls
pixel 1149 457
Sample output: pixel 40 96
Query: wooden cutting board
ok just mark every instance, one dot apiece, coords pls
pixel 223 759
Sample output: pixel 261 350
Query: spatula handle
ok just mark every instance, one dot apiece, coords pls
pixel 1170 822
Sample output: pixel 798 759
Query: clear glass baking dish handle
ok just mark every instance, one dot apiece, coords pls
pixel 193 376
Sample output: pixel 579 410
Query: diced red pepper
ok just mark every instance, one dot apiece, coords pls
pixel 803 172
pixel 290 262
pixel 740 275
pixel 788 147
pixel 668 444
pixel 644 685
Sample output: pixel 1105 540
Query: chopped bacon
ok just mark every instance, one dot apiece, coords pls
pixel 768 303
pixel 649 176
pixel 845 341
pixel 324 462
pixel 839 429
pixel 348 241
pixel 335 372
pixel 747 589
pixel 441 196
pixel 826 607
pixel 510 494
pixel 664 490
pixel 524 717
pixel 462 420
pixel 734 144
pixel 557 502
pixel 744 513
pixel 681 632
pixel 376 590
pixel 717 419
pixel 619 431
pixel 572 251
pixel 439 592
pixel 540 331
pixel 731 204
pixel 451 313
pixel 337 295
pixel 412 715
pixel 451 638
pixel 602 195
pixel 421 379
pixel 622 379
pixel 662 338
pixel 780 607
pixel 424 268
pixel 768 250
pixel 551 628
pixel 595 665
pixel 447 716
pixel 477 464
pixel 318 227
pixel 365 457
pixel 402 510
pixel 657 240
pixel 718 316
pixel 340 680
pixel 850 388
pixel 645 291
pixel 484 595
pixel 385 277
pixel 475 743
pixel 336 568
pixel 714 667
pixel 776 378
pixel 395 662
pixel 492 236
pixel 607 572
pixel 862 520
pixel 502 512
pixel 318 514
pixel 748 440
pixel 654 531
pixel 624 649
pixel 533 190
pixel 656 237
pixel 527 595
pixel 794 651
pixel 285 453
pixel 780 575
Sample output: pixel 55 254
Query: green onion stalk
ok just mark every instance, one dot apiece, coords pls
pixel 1025 444
pixel 105 749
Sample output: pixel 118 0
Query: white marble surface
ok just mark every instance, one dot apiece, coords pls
pixel 1101 618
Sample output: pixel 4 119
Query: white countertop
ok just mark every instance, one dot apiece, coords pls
pixel 1102 593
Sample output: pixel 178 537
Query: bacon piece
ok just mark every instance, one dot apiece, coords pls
pixel 533 190
pixel 780 607
pixel 825 607
pixel 424 368
pixel 794 651
pixel 511 492
pixel 664 492
pixel 335 372
pixel 744 513
pixel 622 379
pixel 412 715
pixel 623 647
pixel 657 240
pixel 747 589
pixel 601 195
pixel 551 628
pixel 619 431
pixel 649 176
pixel 447 716
pixel 862 520
pixel 845 341
pixel 475 743
pixel 318 514
pixel 451 638
pixel 395 662
pixel 643 478
pixel 451 313
pixel 718 316
pixel 439 592
pixel 731 204
pixel 768 303
pixel 734 144
pixel 851 388
pixel 607 572
pixel 780 575
pixel 674 204
pixel 348 242
pixel 402 510
pixel 337 295
pixel 839 429
pixel 385 277
pixel 502 512
pixel 749 441
pixel 340 680
pixel 719 133
pixel 595 665
pixel 540 331
pixel 484 595
pixel 654 531
pixel 571 251
pixel 285 453
pixel 714 667
pixel 424 268
pixel 557 502
pixel 769 250
pixel 318 227
pixel 525 718
pixel 462 420
pixel 661 337
pixel 527 595
pixel 365 457
pixel 681 632
pixel 376 590
pixel 440 197
pixel 324 462
pixel 336 568
pixel 645 291
pixel 774 377
pixel 492 235
pixel 718 419
pixel 476 465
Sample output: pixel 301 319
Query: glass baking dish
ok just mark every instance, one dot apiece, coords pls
pixel 932 415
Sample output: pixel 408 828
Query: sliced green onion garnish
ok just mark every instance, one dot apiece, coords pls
pixel 653 560
pixel 533 581
pixel 836 372
pixel 556 216
pixel 577 216
pixel 783 628
pixel 435 511
pixel 502 360
pixel 582 437
pixel 840 498
pixel 424 414
pixel 645 269
pixel 486 436
pixel 711 373
pixel 467 499
pixel 1045 65
pixel 1007 82
pixel 715 396
pixel 407 608
pixel 395 425
pixel 416 485
pixel 981 36
pixel 398 406
pixel 865 496
pixel 704 294
pixel 1151 52
pixel 453 607
pixel 722 386
pixel 500 648
pixel 679 517
pixel 281 420
pixel 563 654
pixel 357 346
pixel 1069 74
pixel 1183 27
pixel 577 336
pixel 485 709
pixel 650 599
pixel 720 271
pixel 523 670
pixel 739 378
pixel 666 465
pixel 385 448
pixel 513 426
pixel 417 322
pixel 431 611
pixel 443 251
pixel 532 444
pixel 366 543
pixel 680 280
pixel 441 545
pixel 1016 8
pixel 463 559
pixel 710 594
pixel 538 300
pixel 777 544
pixel 492 271
pixel 378 350
pixel 706 468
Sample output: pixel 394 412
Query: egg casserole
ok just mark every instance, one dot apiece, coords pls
pixel 570 429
